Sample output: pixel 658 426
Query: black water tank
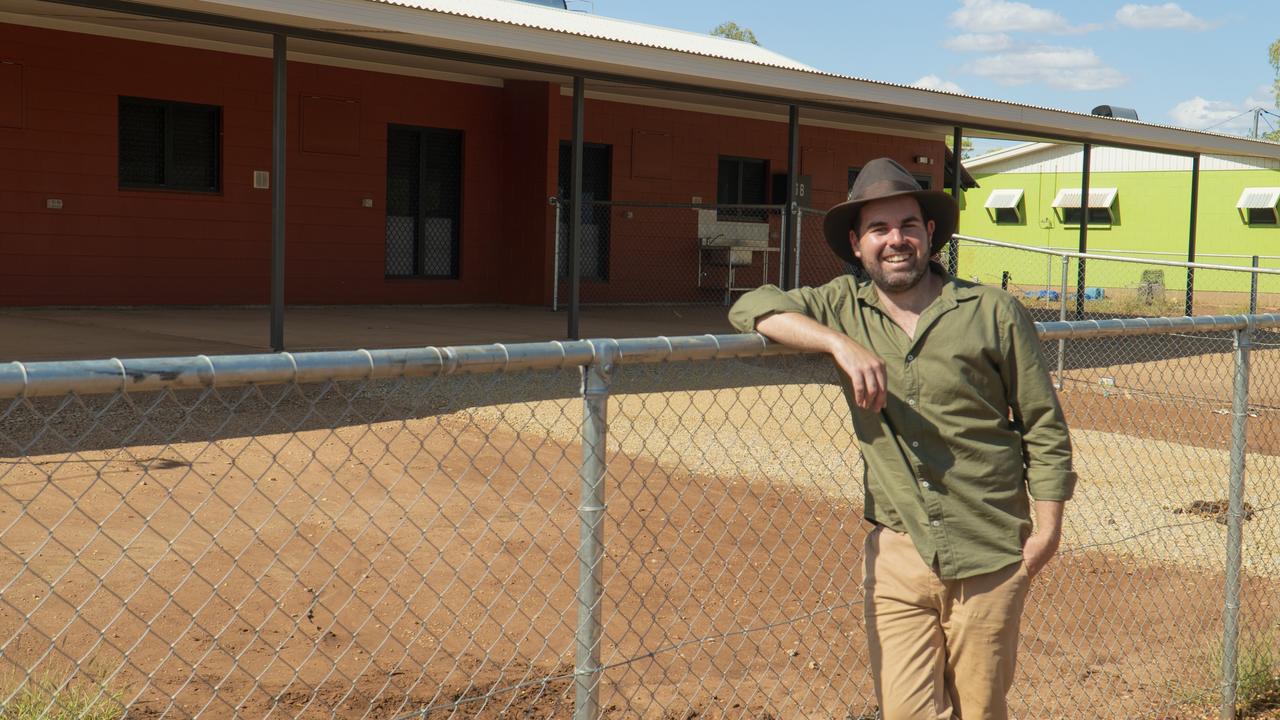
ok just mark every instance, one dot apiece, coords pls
pixel 1115 111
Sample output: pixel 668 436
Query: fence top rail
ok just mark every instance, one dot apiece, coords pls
pixel 1117 258
pixel 89 377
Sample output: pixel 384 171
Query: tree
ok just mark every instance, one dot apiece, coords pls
pixel 966 146
pixel 733 32
pixel 1273 55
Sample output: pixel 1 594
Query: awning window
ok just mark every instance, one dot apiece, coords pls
pixel 1102 203
pixel 1258 205
pixel 1005 206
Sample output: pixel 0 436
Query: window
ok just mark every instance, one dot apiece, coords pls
pixel 1102 203
pixel 168 145
pixel 1257 206
pixel 741 181
pixel 1005 206
pixel 853 176
pixel 925 181
pixel 424 201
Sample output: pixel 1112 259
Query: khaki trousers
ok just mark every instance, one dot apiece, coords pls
pixel 940 649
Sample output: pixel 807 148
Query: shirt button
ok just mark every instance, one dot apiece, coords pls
pixel 936 523
pixel 915 443
pixel 924 484
pixel 910 358
pixel 911 402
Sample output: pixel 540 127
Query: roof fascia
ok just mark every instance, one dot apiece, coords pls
pixel 472 40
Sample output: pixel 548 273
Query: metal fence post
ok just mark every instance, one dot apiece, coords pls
pixel 1253 288
pixel 1235 519
pixel 555 283
pixel 798 219
pixel 1062 315
pixel 591 515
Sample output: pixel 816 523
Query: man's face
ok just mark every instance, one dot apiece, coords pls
pixel 892 241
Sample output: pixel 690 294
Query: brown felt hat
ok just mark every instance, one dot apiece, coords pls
pixel 885 178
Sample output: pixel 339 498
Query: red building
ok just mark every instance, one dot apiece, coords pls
pixel 136 151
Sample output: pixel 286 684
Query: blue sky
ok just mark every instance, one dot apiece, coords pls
pixel 1190 64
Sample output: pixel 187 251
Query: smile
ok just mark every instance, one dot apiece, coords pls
pixel 897 259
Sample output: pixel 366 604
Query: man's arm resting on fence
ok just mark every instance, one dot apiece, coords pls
pixel 864 368
pixel 1043 543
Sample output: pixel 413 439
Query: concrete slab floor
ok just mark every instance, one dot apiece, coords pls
pixel 38 334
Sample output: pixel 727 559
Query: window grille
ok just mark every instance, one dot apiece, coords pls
pixel 168 145
pixel 424 200
pixel 741 181
pixel 1101 205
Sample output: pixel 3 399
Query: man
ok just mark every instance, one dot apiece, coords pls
pixel 957 421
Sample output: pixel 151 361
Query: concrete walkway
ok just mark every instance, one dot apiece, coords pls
pixel 34 334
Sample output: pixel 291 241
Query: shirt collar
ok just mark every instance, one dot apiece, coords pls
pixel 953 290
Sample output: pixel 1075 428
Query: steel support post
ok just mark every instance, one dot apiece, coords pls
pixel 280 69
pixel 953 245
pixel 788 252
pixel 591 516
pixel 1085 155
pixel 799 222
pixel 575 207
pixel 1235 520
pixel 555 270
pixel 1191 233
pixel 1253 287
pixel 1062 315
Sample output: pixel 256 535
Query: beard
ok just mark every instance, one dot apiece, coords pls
pixel 897 279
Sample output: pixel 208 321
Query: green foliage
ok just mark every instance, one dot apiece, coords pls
pixel 966 146
pixel 1273 56
pixel 733 32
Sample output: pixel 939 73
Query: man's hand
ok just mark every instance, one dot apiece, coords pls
pixel 1043 543
pixel 864 368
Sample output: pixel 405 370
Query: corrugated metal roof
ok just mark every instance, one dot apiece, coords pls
pixel 523 14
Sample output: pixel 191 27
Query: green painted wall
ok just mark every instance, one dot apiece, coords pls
pixel 1152 214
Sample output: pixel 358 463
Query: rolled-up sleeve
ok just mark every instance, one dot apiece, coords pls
pixel 820 303
pixel 1034 402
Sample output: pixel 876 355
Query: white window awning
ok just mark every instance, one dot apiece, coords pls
pixel 1098 198
pixel 1004 199
pixel 1259 198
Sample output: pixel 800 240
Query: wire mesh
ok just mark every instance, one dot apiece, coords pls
pixel 407 547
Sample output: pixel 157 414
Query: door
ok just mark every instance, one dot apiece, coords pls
pixel 593 259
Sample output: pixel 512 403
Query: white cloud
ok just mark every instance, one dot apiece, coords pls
pixel 1059 67
pixel 1222 115
pixel 933 82
pixel 1159 17
pixel 979 42
pixel 998 16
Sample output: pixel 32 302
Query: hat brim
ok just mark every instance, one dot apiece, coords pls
pixel 937 206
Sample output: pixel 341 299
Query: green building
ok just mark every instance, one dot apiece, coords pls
pixel 1139 206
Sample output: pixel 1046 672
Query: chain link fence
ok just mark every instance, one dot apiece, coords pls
pixel 661 528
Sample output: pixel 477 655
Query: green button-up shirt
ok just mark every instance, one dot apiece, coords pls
pixel 971 423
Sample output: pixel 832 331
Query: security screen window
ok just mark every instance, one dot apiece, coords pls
pixel 166 145
pixel 1257 206
pixel 1005 206
pixel 1102 203
pixel 741 181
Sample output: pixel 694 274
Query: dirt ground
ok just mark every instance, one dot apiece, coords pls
pixel 421 559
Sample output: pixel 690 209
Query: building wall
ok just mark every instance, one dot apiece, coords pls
pixel 113 246
pixel 656 249
pixel 1152 213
